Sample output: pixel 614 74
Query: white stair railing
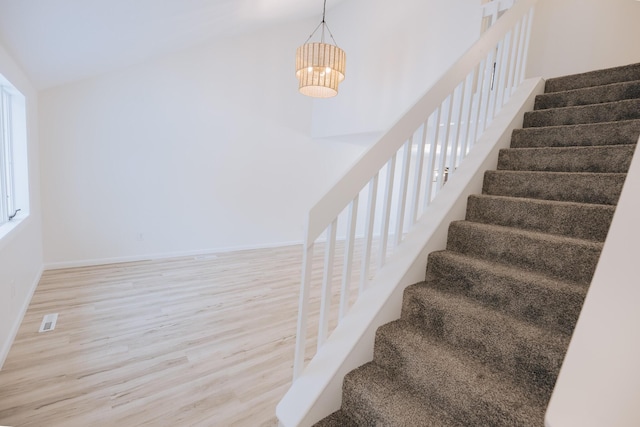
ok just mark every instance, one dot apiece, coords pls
pixel 400 175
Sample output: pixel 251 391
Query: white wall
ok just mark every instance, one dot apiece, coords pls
pixel 211 148
pixel 599 383
pixel 20 248
pixel 204 150
pixel 574 36
pixel 396 50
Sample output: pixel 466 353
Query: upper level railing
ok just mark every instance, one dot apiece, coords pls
pixel 492 10
pixel 397 179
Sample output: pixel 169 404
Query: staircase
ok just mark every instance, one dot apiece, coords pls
pixel 480 342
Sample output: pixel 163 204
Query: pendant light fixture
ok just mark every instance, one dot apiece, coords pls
pixel 320 66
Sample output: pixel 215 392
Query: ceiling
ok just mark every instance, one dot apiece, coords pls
pixel 58 41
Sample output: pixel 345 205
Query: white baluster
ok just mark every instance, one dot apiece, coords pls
pixel 513 64
pixel 433 148
pixel 476 104
pixel 468 102
pixel 417 175
pixel 388 195
pixel 404 183
pixel 486 92
pixel 520 59
pixel 327 281
pixel 502 76
pixel 455 119
pixel 495 80
pixel 525 54
pixel 444 143
pixel 303 310
pixel 366 252
pixel 348 258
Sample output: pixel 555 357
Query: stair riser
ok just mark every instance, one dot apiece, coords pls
pixel 542 304
pixel 445 383
pixel 594 78
pixel 609 159
pixel 337 419
pixel 535 252
pixel 570 187
pixel 533 361
pixel 360 410
pixel 581 221
pixel 613 133
pixel 360 401
pixel 615 111
pixel 587 96
pixel 371 397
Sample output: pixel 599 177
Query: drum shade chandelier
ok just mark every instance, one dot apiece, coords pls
pixel 320 66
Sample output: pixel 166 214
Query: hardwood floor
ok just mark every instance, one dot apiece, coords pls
pixel 194 341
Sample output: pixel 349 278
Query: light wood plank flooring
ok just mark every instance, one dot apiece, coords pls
pixel 194 341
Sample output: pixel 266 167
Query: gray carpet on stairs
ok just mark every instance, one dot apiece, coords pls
pixel 609 158
pixel 585 96
pixel 481 341
pixel 628 109
pixel 581 220
pixel 624 73
pixel 582 187
pixel 609 133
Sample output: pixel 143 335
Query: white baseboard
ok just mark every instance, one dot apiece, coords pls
pixel 6 346
pixel 163 255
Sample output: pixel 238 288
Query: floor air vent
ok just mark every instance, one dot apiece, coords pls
pixel 48 322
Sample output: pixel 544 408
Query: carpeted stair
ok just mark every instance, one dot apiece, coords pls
pixel 480 342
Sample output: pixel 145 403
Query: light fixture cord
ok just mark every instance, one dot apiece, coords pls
pixel 324 10
pixel 324 25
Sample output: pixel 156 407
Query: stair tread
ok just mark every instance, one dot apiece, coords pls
pixel 526 353
pixel 472 392
pixel 574 148
pixel 559 173
pixel 384 401
pixel 594 78
pixel 540 279
pixel 469 305
pixel 632 101
pixel 532 234
pixel 585 187
pixel 589 95
pixel 529 250
pixel 595 113
pixel 589 221
pixel 530 296
pixel 543 201
pixel 586 134
pixel 599 159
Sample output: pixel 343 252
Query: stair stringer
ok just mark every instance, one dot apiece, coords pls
pixel 318 391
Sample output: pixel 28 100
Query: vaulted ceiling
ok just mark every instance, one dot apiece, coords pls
pixel 58 41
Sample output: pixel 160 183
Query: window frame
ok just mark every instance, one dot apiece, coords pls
pixel 15 198
pixel 7 198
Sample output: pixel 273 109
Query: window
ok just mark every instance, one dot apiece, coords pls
pixel 14 197
pixel 6 158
